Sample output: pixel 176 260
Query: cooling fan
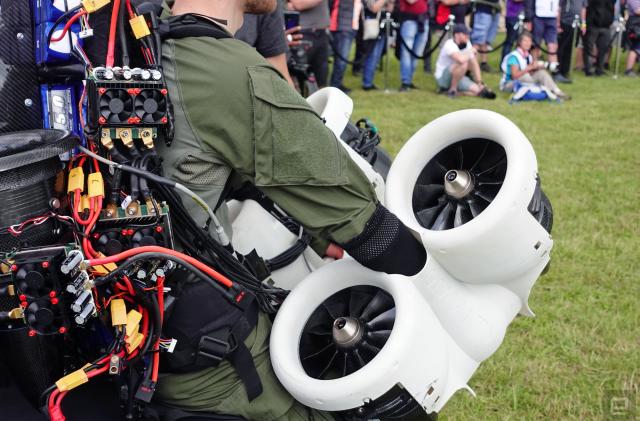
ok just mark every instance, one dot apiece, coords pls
pixel 116 106
pixel 151 106
pixel 467 184
pixel 111 242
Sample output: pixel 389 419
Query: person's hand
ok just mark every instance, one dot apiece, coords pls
pixel 293 36
pixel 290 6
pixel 559 29
pixel 583 28
pixel 528 26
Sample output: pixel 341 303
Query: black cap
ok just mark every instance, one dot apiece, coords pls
pixel 460 28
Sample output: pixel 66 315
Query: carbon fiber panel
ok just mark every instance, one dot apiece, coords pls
pixel 20 106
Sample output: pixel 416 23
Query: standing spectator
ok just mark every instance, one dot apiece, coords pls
pixel 599 18
pixel 314 20
pixel 372 10
pixel 414 28
pixel 569 9
pixel 343 27
pixel 544 16
pixel 266 34
pixel 514 9
pixel 456 58
pixel 633 34
pixel 486 18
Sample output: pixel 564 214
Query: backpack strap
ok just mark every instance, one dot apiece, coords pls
pixel 192 25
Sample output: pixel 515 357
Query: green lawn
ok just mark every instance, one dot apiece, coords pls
pixel 585 340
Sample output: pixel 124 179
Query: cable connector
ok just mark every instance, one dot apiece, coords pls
pixel 118 312
pixel 134 341
pixel 73 380
pixel 93 5
pixel 76 180
pixel 139 27
pixel 85 203
pixel 133 321
pixel 114 365
pixel 96 185
pixel 145 391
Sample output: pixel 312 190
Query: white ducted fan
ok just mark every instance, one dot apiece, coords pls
pixel 379 346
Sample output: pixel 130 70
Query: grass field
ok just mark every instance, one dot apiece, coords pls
pixel 584 345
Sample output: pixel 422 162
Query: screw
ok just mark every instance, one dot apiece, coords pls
pixel 20 36
pixel 28 102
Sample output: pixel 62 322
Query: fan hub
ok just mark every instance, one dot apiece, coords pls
pixel 116 106
pixel 347 332
pixel 458 183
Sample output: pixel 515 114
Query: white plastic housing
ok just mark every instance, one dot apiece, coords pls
pixel 255 228
pixel 504 244
pixel 336 107
pixel 419 354
pixel 454 313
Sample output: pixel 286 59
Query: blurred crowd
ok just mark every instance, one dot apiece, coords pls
pixel 544 39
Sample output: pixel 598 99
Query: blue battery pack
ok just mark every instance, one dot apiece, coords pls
pixel 60 108
pixel 50 10
pixel 58 51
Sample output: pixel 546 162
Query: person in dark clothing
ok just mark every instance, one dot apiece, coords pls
pixel 568 11
pixel 314 19
pixel 343 34
pixel 266 34
pixel 599 17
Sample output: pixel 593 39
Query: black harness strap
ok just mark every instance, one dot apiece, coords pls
pixel 191 25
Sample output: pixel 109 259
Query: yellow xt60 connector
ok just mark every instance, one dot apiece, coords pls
pixel 76 180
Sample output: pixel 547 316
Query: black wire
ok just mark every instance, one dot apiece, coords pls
pixel 425 53
pixel 58 21
pixel 199 243
pixel 104 280
pixel 123 34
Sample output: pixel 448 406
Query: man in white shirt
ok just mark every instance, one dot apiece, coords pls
pixel 457 57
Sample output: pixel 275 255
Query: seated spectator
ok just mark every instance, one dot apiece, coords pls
pixel 520 65
pixel 457 57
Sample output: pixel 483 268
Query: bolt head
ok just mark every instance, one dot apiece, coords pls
pixel 28 102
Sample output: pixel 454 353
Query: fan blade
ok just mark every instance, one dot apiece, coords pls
pixel 488 197
pixel 338 304
pixel 383 321
pixel 457 219
pixel 424 194
pixel 380 303
pixel 484 151
pixel 493 167
pixel 315 354
pixel 426 216
pixel 461 155
pixel 345 358
pixel 328 366
pixel 441 222
pixel 474 208
pixel 359 358
pixel 358 301
pixel 379 336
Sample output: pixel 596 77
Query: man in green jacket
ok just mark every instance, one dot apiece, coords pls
pixel 238 120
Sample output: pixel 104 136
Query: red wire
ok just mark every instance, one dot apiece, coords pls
pixel 156 355
pixel 128 285
pixel 76 206
pixel 88 248
pixel 130 9
pixel 155 249
pixel 112 33
pixel 68 25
